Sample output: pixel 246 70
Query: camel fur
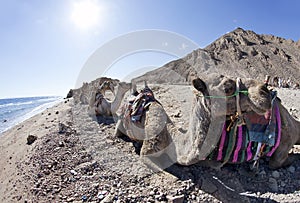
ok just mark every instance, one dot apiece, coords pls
pixel 158 136
pixel 102 106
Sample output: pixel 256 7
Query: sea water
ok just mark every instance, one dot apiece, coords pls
pixel 16 110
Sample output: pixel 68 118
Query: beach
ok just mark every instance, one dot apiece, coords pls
pixel 85 162
pixel 14 150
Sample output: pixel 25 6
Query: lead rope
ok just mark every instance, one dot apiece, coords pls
pixel 239 114
pixel 238 81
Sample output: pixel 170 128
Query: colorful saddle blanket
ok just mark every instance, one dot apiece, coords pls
pixel 260 136
pixel 139 104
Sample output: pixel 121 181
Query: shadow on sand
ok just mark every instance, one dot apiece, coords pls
pixel 237 183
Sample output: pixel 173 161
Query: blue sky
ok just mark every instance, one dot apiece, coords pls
pixel 45 44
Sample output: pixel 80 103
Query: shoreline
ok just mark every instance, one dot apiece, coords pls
pixel 35 111
pixel 14 149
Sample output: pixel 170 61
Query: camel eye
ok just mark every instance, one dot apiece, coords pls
pixel 229 87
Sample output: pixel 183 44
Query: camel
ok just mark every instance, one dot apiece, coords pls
pixel 103 107
pixel 216 99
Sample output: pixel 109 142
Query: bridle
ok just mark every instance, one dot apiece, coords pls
pixel 236 94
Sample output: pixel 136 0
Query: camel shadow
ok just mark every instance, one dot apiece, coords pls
pixel 106 120
pixel 237 183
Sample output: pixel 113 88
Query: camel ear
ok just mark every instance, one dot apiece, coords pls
pixel 200 85
pixel 145 83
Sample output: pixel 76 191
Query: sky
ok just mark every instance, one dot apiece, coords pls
pixel 45 45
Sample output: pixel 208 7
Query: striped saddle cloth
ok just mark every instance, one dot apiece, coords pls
pixel 259 136
pixel 138 104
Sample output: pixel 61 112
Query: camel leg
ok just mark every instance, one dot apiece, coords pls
pixel 280 157
pixel 120 130
pixel 291 159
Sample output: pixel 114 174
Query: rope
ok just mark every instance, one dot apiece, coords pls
pixel 245 92
pixel 238 107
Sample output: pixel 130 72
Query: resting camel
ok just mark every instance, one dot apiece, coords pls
pixel 101 105
pixel 216 100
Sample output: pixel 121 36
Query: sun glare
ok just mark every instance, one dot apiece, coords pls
pixel 85 14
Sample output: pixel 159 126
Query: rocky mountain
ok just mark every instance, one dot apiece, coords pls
pixel 240 53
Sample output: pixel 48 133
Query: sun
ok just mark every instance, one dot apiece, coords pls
pixel 86 14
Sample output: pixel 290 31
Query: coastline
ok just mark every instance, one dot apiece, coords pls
pixel 34 111
pixel 14 150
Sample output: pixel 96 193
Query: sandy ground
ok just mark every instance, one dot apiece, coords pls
pixel 89 164
pixel 14 150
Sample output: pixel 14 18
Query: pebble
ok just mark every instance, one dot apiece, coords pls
pixel 176 199
pixel 208 187
pixel 291 169
pixel 84 198
pixel 108 198
pixel 100 196
pixel 263 174
pixel 193 197
pixel 273 184
pixel 71 199
pixel 73 172
pixel 275 174
pixel 61 144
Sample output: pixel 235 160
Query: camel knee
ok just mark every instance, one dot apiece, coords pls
pixel 120 130
pixel 278 160
pixel 147 149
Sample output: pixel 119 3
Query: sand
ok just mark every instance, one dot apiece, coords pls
pixel 14 150
pixel 92 165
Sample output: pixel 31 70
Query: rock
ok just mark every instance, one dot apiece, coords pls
pixel 152 193
pixel 84 198
pixel 273 184
pixel 57 112
pixel 176 199
pixel 193 197
pixel 100 196
pixel 70 94
pixel 73 172
pixel 62 128
pixel 208 187
pixel 46 172
pixel 291 169
pixel 31 139
pixel 263 173
pixel 95 185
pixel 61 144
pixel 178 114
pixel 88 167
pixel 71 199
pixel 275 174
pixel 108 198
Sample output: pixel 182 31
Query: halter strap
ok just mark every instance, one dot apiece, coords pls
pixel 238 107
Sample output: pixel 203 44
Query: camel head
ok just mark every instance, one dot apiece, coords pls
pixel 223 95
pixel 105 86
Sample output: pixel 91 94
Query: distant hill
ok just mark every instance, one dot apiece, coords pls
pixel 240 53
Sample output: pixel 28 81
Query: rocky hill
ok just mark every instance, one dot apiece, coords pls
pixel 240 53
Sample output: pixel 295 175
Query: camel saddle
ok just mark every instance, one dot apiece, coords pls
pixel 258 136
pixel 138 104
